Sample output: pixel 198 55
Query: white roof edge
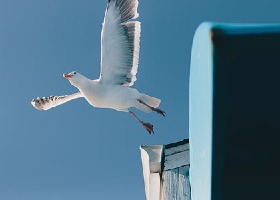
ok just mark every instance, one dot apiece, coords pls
pixel 151 163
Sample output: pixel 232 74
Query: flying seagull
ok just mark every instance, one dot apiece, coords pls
pixel 120 45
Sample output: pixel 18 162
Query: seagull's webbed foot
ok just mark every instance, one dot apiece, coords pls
pixel 149 127
pixel 157 110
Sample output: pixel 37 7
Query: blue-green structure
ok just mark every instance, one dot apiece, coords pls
pixel 235 112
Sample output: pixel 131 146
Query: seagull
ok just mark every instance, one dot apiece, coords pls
pixel 120 45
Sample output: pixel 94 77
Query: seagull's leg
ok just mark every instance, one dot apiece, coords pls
pixel 159 111
pixel 149 127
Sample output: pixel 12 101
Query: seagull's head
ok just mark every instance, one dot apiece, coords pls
pixel 74 78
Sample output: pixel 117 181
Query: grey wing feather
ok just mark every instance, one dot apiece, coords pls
pixel 120 43
pixel 45 103
pixel 127 8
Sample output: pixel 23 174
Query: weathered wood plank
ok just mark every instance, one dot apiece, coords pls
pixel 176 184
pixel 177 160
pixel 170 184
pixel 184 189
pixel 177 149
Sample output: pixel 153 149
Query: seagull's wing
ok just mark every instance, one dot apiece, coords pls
pixel 120 43
pixel 45 103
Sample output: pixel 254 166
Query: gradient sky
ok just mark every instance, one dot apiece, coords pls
pixel 75 151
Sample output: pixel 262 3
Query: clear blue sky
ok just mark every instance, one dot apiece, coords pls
pixel 75 151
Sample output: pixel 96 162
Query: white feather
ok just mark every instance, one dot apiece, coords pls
pixel 120 43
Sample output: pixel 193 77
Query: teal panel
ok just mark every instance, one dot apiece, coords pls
pixel 200 113
pixel 234 112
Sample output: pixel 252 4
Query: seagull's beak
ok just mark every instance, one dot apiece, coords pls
pixel 67 76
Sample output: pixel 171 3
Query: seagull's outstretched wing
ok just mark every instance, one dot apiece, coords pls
pixel 45 103
pixel 120 43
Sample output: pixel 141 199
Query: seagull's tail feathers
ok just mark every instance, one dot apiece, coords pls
pixel 46 103
pixel 151 101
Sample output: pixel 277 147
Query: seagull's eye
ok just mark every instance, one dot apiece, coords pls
pixel 74 72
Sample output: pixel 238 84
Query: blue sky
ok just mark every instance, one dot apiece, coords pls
pixel 75 151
